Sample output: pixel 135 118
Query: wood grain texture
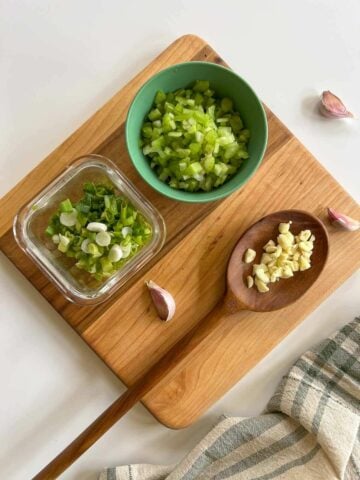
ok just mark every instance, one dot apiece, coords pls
pixel 125 331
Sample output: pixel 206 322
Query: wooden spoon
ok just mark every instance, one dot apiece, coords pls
pixel 238 297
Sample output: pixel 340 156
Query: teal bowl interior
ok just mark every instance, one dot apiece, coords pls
pixel 225 83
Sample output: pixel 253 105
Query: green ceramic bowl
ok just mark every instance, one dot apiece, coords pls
pixel 225 83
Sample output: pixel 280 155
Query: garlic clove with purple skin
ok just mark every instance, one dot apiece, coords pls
pixel 332 107
pixel 343 221
pixel 164 302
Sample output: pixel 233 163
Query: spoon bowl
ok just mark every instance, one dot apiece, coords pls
pixel 285 291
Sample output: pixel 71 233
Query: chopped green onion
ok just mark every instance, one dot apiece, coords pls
pixel 66 206
pixel 68 218
pixel 101 232
pixel 50 230
pixel 63 244
pixel 115 253
pixel 103 239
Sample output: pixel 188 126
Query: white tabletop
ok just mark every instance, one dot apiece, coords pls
pixel 60 61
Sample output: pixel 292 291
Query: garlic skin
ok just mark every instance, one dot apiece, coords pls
pixel 332 107
pixel 163 301
pixel 343 221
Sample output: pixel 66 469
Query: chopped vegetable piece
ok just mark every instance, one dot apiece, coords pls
pixel 66 206
pixel 84 245
pixel 115 253
pixel 63 244
pixel 50 230
pixel 103 239
pixel 249 281
pixel 250 255
pixel 126 231
pixel 195 140
pixel 68 218
pixel 101 232
pixel 97 227
pixel 292 254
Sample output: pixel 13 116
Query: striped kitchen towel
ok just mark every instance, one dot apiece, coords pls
pixel 310 430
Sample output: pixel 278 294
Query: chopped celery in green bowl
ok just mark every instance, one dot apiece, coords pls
pixel 195 140
pixel 196 132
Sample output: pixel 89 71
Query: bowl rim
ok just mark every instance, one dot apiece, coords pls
pixel 182 195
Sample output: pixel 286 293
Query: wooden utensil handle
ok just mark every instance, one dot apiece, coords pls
pixel 176 359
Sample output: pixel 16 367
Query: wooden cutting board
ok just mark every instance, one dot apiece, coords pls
pixel 125 331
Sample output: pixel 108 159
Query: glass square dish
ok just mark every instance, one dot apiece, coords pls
pixel 77 285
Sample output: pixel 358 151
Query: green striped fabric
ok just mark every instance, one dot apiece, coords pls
pixel 310 430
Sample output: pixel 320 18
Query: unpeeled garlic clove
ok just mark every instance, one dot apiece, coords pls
pixel 332 107
pixel 343 221
pixel 163 301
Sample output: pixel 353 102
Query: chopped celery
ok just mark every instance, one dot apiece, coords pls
pixel 209 164
pixel 201 86
pixel 194 139
pixel 154 114
pixel 160 97
pixel 226 104
pixel 100 205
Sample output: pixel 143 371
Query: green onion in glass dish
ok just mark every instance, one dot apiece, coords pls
pixel 195 140
pixel 101 231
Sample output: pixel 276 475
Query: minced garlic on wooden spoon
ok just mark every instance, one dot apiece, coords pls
pixel 290 254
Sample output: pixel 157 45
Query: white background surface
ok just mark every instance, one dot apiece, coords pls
pixel 60 61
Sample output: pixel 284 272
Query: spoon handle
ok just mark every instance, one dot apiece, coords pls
pixel 177 358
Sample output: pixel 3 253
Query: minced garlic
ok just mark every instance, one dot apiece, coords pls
pixel 250 281
pixel 290 254
pixel 250 255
